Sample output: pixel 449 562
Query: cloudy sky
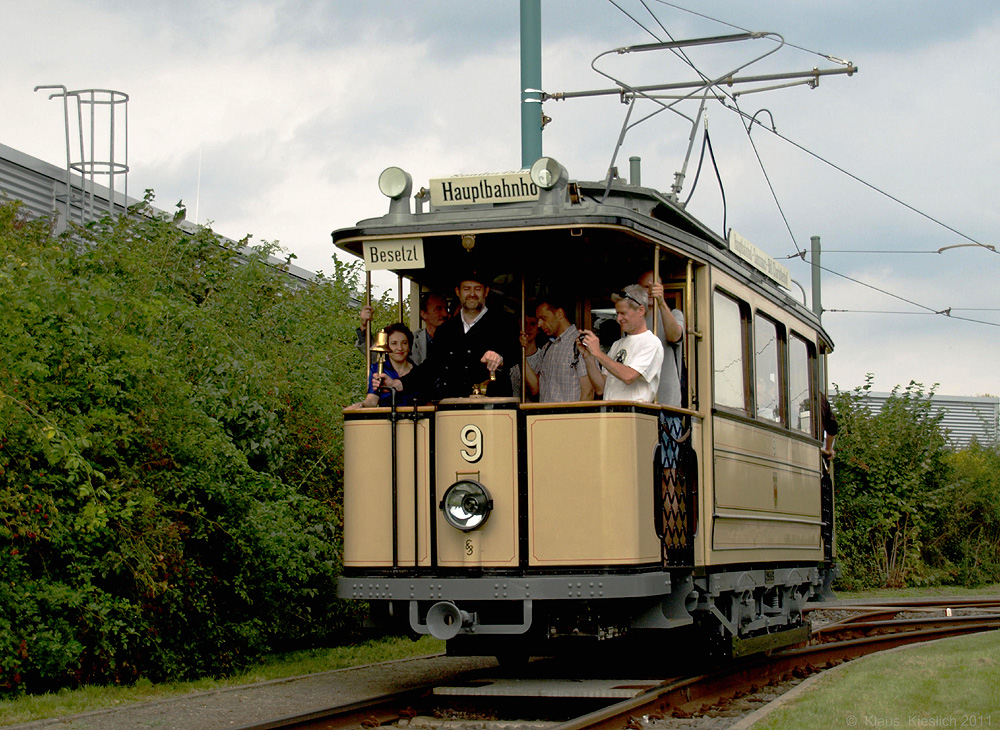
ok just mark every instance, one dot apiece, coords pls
pixel 291 108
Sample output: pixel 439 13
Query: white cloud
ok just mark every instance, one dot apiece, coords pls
pixel 295 107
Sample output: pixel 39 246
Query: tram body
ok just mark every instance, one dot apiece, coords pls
pixel 586 535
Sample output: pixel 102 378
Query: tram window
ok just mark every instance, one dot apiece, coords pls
pixel 800 384
pixel 767 370
pixel 728 348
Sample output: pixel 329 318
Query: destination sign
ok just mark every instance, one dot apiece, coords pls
pixel 491 187
pixel 759 260
pixel 394 253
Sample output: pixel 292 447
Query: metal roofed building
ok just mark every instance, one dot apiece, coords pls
pixel 965 418
pixel 42 189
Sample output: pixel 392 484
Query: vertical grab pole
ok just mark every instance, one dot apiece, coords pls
pixel 524 357
pixel 656 280
pixel 656 310
pixel 368 329
pixel 399 296
pixel 395 484
pixel 689 329
pixel 416 493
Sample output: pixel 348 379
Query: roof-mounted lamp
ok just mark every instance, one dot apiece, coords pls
pixel 552 181
pixel 396 184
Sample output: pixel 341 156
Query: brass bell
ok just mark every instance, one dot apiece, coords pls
pixel 380 349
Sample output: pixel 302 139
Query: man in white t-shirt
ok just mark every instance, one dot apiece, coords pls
pixel 631 369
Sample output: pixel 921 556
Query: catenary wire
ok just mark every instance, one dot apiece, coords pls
pixel 750 121
pixel 866 183
pixel 810 152
pixel 922 314
pixel 947 312
pixel 747 30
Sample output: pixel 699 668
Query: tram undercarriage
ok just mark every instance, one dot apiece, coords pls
pixel 738 612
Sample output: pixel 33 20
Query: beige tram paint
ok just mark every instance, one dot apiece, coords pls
pixel 494 545
pixel 590 488
pixel 757 468
pixel 368 490
pixel 760 499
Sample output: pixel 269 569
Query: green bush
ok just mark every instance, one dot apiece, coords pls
pixel 965 546
pixel 170 453
pixel 890 470
pixel 909 510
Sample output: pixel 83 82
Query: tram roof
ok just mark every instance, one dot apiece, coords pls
pixel 644 211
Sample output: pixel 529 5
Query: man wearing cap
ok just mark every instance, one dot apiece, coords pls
pixel 468 348
pixel 631 369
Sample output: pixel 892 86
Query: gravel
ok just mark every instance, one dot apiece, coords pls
pixel 238 706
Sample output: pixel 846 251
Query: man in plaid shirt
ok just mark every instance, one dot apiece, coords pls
pixel 560 375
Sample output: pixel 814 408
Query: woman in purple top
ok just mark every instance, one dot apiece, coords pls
pixel 397 364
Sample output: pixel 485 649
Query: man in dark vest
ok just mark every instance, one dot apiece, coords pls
pixel 476 342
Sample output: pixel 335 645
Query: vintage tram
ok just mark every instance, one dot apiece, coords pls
pixel 507 526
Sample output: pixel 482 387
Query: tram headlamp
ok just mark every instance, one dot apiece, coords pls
pixel 466 505
pixel 546 173
pixel 395 183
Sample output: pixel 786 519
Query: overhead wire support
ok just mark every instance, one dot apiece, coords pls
pixel 702 86
pixel 811 78
pixel 728 81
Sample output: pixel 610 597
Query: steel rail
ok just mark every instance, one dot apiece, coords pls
pixel 902 625
pixel 677 696
pixel 371 712
pixel 697 693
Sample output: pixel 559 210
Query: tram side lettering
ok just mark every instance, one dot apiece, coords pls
pixel 394 254
pixel 392 257
pixel 490 188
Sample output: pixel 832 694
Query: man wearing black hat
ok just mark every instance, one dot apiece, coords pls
pixel 468 347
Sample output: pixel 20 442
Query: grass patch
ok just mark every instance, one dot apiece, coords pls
pixel 282 666
pixel 921 592
pixel 293 664
pixel 951 683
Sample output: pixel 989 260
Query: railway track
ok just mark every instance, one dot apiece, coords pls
pixel 841 633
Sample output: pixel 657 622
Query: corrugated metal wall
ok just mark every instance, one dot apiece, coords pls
pixel 965 418
pixel 41 187
pixel 36 191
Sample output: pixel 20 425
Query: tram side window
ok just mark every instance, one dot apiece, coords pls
pixel 728 348
pixel 801 392
pixel 767 370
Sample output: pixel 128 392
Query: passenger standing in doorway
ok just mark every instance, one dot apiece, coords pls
pixel 631 369
pixel 433 313
pixel 670 331
pixel 830 427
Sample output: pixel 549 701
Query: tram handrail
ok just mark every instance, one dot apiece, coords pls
pixel 473 401
pixel 596 404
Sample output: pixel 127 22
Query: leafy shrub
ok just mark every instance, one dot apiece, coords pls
pixel 908 509
pixel 890 470
pixel 170 453
pixel 965 546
